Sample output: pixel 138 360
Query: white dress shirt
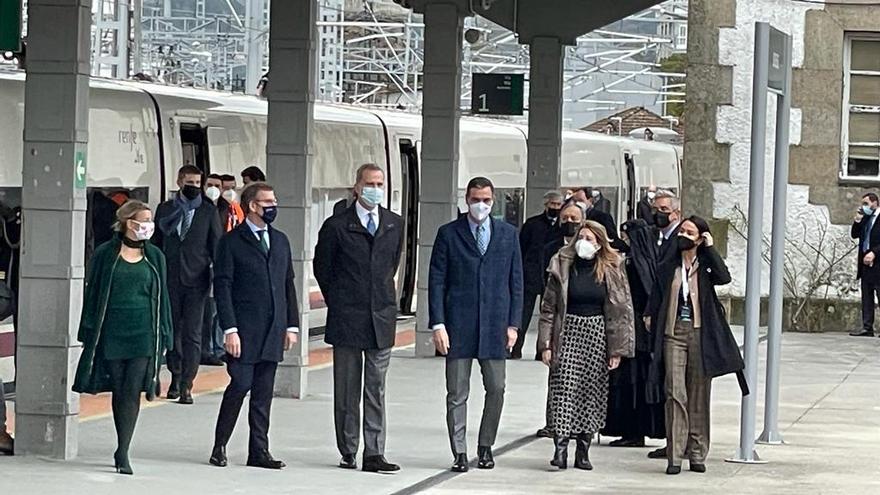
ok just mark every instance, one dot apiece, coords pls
pixel 365 214
pixel 256 230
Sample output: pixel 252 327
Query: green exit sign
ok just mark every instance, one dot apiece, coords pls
pixel 10 25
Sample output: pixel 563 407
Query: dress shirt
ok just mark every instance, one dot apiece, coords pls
pixel 364 215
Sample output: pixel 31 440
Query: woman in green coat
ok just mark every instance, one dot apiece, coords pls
pixel 125 327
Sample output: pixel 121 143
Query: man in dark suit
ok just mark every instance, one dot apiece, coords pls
pixel 188 232
pixel 866 230
pixel 646 205
pixel 667 220
pixel 582 195
pixel 534 234
pixel 475 299
pixel 356 258
pixel 256 302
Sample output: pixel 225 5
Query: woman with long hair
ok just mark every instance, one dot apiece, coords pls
pixel 125 326
pixel 586 327
pixel 697 342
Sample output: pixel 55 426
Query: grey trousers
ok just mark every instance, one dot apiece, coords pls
pixel 688 394
pixel 458 386
pixel 350 365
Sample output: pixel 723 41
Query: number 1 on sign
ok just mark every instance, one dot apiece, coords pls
pixel 483 107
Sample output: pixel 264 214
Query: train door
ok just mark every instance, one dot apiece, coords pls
pixel 218 151
pixel 409 167
pixel 194 146
pixel 632 189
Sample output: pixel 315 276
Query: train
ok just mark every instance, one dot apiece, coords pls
pixel 140 133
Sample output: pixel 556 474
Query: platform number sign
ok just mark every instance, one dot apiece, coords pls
pixel 10 25
pixel 497 94
pixel 79 175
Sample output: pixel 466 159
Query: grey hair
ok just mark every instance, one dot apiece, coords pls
pixel 576 204
pixel 552 196
pixel 674 201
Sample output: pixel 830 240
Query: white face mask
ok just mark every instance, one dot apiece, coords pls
pixel 229 195
pixel 651 195
pixel 144 231
pixel 480 210
pixel 213 193
pixel 373 196
pixel 586 249
pixel 595 193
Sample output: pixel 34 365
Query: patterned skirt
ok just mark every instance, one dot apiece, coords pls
pixel 579 377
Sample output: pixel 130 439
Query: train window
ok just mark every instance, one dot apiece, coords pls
pixel 102 205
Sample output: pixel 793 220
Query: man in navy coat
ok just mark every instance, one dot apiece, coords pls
pixel 475 296
pixel 256 305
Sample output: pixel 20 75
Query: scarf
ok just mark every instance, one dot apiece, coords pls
pixel 181 206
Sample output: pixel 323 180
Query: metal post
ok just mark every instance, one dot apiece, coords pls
pixel 547 56
pixel 254 43
pixel 292 48
pixel 746 451
pixel 771 434
pixel 56 133
pixel 444 26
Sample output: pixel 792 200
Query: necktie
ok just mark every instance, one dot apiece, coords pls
pixel 481 239
pixel 186 223
pixel 264 242
pixel 371 225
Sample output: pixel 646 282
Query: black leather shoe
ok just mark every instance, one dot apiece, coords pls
pixel 628 442
pixel 486 460
pixel 582 454
pixel 212 361
pixel 173 389
pixel 657 454
pixel 862 333
pixel 698 467
pixel 377 464
pixel 673 470
pixel 7 444
pixel 123 465
pixel 560 453
pixel 264 459
pixel 218 457
pixel 461 464
pixel 185 397
pixel 545 432
pixel 348 461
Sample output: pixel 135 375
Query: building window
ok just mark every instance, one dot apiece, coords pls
pixel 861 93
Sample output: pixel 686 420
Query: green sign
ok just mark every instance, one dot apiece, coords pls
pixel 79 177
pixel 10 25
pixel 497 94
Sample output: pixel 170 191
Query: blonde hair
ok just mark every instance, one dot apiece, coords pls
pixel 127 212
pixel 607 258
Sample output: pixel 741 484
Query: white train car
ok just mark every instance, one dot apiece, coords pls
pixel 141 133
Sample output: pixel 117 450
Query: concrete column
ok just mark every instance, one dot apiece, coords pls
pixel 444 24
pixel 545 120
pixel 292 51
pixel 56 123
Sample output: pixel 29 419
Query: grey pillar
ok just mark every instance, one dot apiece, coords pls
pixel 545 120
pixel 444 24
pixel 56 123
pixel 292 43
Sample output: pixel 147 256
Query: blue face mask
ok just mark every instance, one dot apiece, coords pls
pixel 269 214
pixel 373 196
pixel 867 210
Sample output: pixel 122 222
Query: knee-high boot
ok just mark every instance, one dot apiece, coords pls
pixel 582 454
pixel 560 456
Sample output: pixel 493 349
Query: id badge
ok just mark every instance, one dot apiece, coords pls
pixel 685 313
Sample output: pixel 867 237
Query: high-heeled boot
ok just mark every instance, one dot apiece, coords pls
pixel 582 454
pixel 560 456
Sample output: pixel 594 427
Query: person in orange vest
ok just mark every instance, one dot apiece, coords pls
pixel 231 213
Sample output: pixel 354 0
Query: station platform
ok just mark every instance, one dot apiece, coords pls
pixel 829 417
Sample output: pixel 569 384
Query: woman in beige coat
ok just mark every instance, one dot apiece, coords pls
pixel 586 327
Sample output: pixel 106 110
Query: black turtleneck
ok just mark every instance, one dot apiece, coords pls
pixel 586 297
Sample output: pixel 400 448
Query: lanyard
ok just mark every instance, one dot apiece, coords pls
pixel 685 281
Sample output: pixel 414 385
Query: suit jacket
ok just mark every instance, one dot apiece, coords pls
pixel 533 235
pixel 860 231
pixel 476 297
pixel 189 260
pixel 356 273
pixel 607 221
pixel 667 248
pixel 646 211
pixel 255 293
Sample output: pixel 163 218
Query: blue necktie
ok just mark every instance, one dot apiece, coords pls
pixel 481 239
pixel 371 225
pixel 186 223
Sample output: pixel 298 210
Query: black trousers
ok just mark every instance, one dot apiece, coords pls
pixel 259 380
pixel 212 336
pixel 870 293
pixel 529 299
pixel 187 313
pixel 127 379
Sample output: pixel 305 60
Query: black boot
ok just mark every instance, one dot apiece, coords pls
pixel 582 455
pixel 560 456
pixel 123 465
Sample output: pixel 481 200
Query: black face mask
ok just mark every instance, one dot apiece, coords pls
pixel 661 219
pixel 191 192
pixel 553 213
pixel 569 229
pixel 269 213
pixel 685 243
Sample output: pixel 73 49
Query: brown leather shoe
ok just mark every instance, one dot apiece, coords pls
pixel 7 444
